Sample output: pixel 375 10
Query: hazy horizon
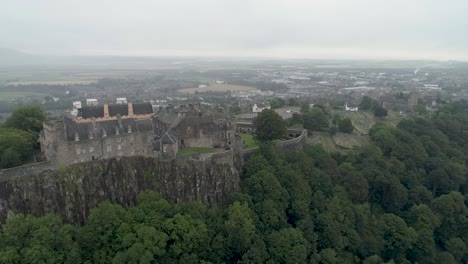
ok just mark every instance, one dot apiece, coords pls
pixel 362 29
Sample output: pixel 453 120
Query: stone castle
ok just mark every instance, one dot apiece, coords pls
pixel 124 129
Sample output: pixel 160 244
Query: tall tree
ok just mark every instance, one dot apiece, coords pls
pixel 28 118
pixel 240 229
pixel 315 119
pixel 269 126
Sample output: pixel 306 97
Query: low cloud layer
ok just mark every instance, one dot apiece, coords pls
pixel 371 29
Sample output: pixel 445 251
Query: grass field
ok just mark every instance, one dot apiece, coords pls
pixel 63 82
pixel 393 117
pixel 324 139
pixel 15 95
pixel 194 150
pixel 363 121
pixel 349 140
pixel 250 142
pixel 216 88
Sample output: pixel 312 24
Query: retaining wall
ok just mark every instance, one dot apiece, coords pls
pixel 26 170
pixel 291 144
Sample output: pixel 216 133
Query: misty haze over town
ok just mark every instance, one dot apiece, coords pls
pixel 219 131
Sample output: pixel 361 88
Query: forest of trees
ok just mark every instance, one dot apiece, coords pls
pixel 400 199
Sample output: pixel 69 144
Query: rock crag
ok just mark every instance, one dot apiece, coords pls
pixel 72 191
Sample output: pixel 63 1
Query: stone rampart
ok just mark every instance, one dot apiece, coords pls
pixel 291 144
pixel 25 170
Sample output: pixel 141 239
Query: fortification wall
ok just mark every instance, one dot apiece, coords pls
pixel 25 170
pixel 205 131
pixel 295 143
pixel 291 144
pixel 128 144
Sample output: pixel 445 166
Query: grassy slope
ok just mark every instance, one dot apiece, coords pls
pixel 249 141
pixel 194 150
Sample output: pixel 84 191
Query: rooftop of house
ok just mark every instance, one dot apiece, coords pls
pixel 114 110
pixel 105 128
pixel 262 105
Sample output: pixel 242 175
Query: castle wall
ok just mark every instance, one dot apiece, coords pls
pixel 62 152
pixel 295 143
pixel 25 170
pixel 129 144
pixel 205 131
pixel 282 146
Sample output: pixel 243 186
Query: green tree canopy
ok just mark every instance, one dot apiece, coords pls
pixel 368 104
pixel 345 125
pixel 269 126
pixel 315 119
pixel 28 118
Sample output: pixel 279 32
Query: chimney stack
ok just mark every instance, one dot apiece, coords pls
pixel 130 109
pixel 106 111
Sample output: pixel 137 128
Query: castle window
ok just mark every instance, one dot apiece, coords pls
pixel 109 148
pixel 77 137
pixel 119 147
pixel 117 131
pixel 129 129
pixel 104 133
pixel 91 149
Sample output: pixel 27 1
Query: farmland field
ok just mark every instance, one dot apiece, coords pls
pixel 64 82
pixel 216 88
pixel 16 95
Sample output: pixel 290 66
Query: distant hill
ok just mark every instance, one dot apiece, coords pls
pixel 12 57
pixel 15 57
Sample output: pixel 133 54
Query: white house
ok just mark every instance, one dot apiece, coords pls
pixel 91 102
pixel 257 108
pixel 121 100
pixel 77 105
pixel 351 108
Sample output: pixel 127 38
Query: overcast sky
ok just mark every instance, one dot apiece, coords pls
pixel 374 29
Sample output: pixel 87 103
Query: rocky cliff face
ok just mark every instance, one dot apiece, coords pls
pixel 72 191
